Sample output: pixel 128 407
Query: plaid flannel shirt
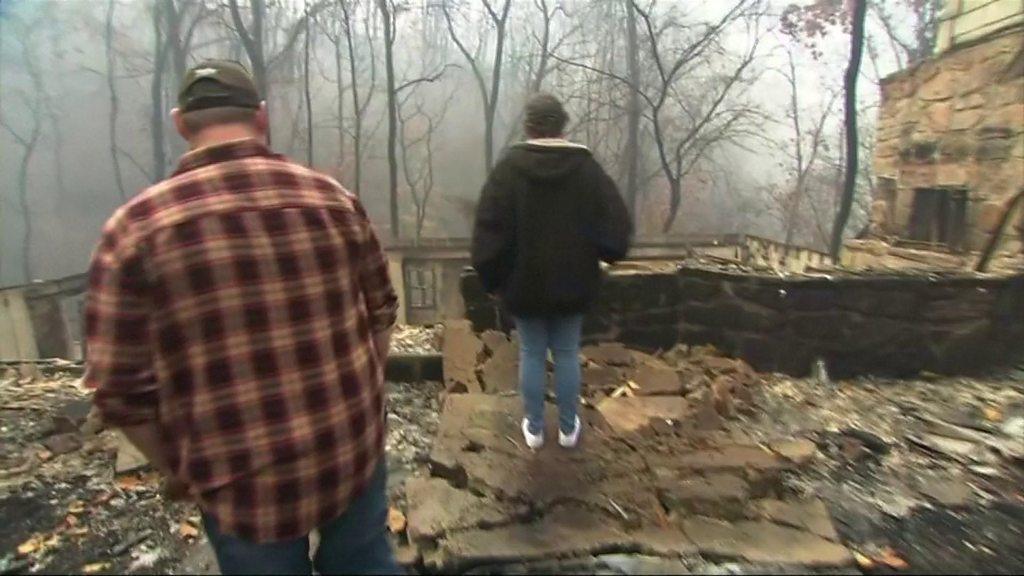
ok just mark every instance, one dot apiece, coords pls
pixel 235 304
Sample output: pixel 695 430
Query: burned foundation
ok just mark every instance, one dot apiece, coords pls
pixel 893 324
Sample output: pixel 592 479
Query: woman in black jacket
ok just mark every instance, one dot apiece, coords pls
pixel 548 215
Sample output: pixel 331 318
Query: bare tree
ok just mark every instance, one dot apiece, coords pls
pixel 809 142
pixel 27 140
pixel 360 104
pixel 305 85
pixel 332 26
pixel 924 17
pixel 850 126
pixel 175 23
pixel 633 110
pixel 416 137
pixel 108 39
pixel 387 13
pixel 254 38
pixel 161 51
pixel 687 127
pixel 497 19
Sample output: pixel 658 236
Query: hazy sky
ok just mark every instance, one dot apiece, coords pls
pixel 71 185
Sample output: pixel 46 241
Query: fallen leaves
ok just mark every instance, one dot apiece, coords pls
pixel 993 414
pixel 881 558
pixel 187 531
pixel 95 567
pixel 396 521
pixel 137 481
pixel 38 543
pixel 864 562
pixel 890 558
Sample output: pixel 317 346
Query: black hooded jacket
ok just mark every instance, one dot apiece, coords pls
pixel 548 215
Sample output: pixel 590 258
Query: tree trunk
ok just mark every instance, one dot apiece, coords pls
pixel 340 85
pixel 850 87
pixel 156 95
pixel 542 66
pixel 23 167
pixel 252 40
pixel 492 103
pixel 108 38
pixel 306 91
pixel 357 121
pixel 389 65
pixel 675 198
pixel 633 112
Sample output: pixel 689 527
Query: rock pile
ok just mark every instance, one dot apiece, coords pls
pixel 657 474
pixel 623 384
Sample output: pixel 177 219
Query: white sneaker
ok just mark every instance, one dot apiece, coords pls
pixel 534 441
pixel 570 440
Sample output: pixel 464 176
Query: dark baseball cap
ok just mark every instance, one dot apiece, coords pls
pixel 215 84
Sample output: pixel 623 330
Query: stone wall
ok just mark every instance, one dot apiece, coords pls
pixel 896 325
pixel 43 320
pixel 954 121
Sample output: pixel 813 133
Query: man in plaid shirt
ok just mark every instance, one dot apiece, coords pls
pixel 238 322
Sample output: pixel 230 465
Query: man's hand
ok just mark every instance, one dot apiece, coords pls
pixel 382 343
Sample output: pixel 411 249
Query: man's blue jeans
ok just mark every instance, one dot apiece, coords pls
pixel 561 335
pixel 354 543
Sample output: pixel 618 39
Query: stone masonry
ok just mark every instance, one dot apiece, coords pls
pixel 955 120
pixel 880 324
pixel 652 477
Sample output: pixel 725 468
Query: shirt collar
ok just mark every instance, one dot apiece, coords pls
pixel 223 152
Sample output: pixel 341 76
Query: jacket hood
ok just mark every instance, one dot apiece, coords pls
pixel 548 158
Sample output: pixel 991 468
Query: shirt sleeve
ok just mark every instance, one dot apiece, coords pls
pixel 374 279
pixel 119 357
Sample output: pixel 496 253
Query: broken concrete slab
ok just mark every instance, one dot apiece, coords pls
pixel 407 556
pixel 677 355
pixel 721 390
pixel 129 459
pixel 612 354
pixel 501 371
pixel 562 533
pixel 947 491
pixel 493 340
pixel 799 451
pixel 706 418
pixel 732 457
pixel 436 508
pixel 962 451
pixel 461 351
pixel 626 414
pixel 717 495
pixel 657 379
pixel 664 542
pixel 601 378
pixel 479 445
pixel 763 542
pixel 810 515
pixel 62 443
pixel 75 413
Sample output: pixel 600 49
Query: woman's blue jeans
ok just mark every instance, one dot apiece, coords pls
pixel 561 335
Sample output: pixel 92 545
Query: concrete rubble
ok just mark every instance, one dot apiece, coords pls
pixel 416 340
pixel 691 462
pixel 77 498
